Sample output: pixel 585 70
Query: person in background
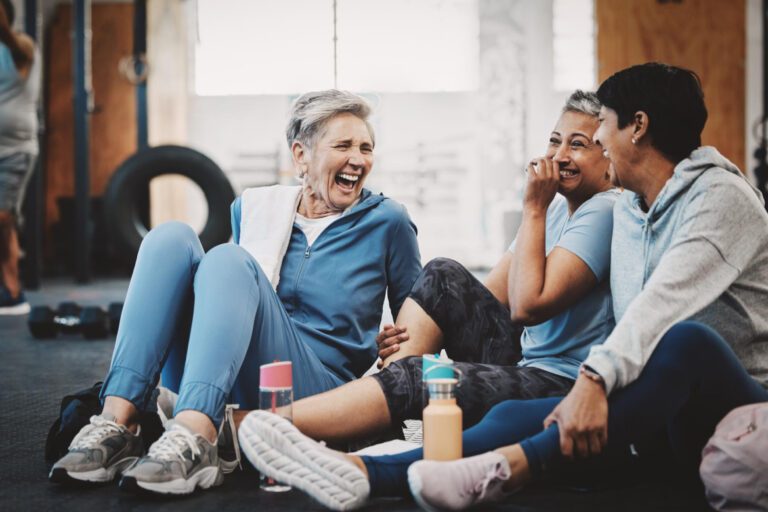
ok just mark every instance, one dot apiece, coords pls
pixel 19 91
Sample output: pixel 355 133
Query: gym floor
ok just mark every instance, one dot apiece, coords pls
pixel 36 374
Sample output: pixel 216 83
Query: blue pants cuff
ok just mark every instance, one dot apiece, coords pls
pixel 202 397
pixel 128 384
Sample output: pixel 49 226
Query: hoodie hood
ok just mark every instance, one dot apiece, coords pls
pixel 685 174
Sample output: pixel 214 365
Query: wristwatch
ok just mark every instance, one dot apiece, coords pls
pixel 591 375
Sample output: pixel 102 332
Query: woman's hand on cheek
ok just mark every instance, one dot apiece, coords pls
pixel 543 180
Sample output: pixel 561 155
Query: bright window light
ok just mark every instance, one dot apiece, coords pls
pixel 573 29
pixel 263 46
pixel 286 46
pixel 407 45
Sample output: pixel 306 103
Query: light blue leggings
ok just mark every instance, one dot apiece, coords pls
pixel 208 322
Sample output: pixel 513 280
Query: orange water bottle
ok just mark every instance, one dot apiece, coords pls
pixel 442 420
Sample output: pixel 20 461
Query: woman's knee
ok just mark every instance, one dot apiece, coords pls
pixel 436 274
pixel 689 341
pixel 407 367
pixel 228 261
pixel 170 236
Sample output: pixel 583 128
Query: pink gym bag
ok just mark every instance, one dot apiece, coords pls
pixel 734 464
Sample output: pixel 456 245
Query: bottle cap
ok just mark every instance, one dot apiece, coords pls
pixel 435 367
pixel 276 375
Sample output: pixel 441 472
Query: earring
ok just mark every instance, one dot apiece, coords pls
pixel 634 140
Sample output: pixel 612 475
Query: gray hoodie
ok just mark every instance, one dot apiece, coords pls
pixel 699 253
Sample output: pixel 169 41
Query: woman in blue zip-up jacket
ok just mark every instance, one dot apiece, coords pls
pixel 304 282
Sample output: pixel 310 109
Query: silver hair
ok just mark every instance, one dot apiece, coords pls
pixel 583 102
pixel 312 110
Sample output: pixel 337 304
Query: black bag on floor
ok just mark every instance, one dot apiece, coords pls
pixel 76 412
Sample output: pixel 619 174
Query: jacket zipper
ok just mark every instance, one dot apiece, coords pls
pixel 307 252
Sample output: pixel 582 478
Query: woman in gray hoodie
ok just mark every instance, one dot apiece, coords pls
pixel 689 277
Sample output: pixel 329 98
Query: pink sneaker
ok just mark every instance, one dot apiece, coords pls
pixel 458 484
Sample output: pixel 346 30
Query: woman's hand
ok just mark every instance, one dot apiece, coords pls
pixel 582 418
pixel 389 339
pixel 543 180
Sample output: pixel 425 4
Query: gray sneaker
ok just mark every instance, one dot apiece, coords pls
pixel 177 463
pixel 100 451
pixel 228 445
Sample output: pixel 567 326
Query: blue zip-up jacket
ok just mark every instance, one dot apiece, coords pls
pixel 334 290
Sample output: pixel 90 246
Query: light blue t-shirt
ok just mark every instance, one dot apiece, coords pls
pixel 560 344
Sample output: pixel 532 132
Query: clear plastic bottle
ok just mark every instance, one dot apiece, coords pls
pixel 276 396
pixel 442 421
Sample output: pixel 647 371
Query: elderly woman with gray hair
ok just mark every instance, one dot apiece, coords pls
pixel 304 282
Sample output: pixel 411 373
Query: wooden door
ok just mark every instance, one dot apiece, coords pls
pixel 113 123
pixel 707 36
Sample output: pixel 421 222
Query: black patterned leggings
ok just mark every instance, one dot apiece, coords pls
pixel 477 331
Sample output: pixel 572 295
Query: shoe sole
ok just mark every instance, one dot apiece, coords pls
pixel 205 479
pixel 19 309
pixel 414 483
pixel 268 439
pixel 96 476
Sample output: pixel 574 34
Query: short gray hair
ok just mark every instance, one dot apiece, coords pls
pixel 312 110
pixel 583 102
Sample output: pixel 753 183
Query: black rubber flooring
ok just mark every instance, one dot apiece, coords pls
pixel 34 375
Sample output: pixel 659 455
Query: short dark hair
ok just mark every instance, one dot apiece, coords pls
pixel 670 96
pixel 10 11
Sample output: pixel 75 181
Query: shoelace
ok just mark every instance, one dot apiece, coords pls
pixel 92 434
pixel 172 443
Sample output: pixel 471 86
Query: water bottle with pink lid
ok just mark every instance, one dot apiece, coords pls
pixel 276 396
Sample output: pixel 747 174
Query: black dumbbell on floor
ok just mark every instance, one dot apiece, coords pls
pixel 92 322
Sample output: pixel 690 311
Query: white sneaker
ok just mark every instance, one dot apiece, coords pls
pixel 277 449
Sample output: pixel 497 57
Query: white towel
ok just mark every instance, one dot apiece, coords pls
pixel 266 222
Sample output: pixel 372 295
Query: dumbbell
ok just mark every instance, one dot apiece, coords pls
pixel 69 318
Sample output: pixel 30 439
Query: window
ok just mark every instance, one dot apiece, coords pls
pixel 286 46
pixel 573 29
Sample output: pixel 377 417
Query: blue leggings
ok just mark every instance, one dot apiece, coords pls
pixel 207 322
pixel 692 380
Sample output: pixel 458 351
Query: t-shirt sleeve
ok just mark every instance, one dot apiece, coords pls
pixel 235 213
pixel 588 235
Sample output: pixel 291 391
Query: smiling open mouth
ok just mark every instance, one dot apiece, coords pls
pixel 346 181
pixel 568 173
